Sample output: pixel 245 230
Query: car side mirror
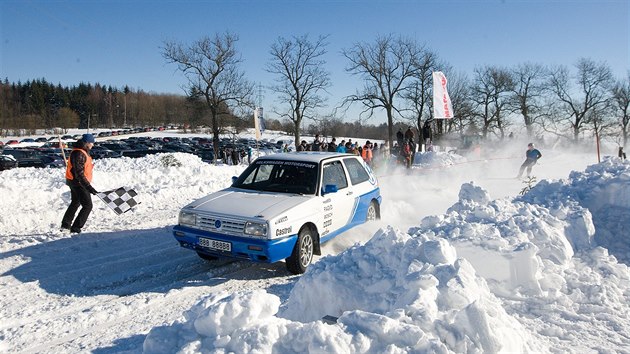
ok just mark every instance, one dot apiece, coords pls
pixel 234 179
pixel 329 188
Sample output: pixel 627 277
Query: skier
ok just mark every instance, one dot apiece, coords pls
pixel 79 177
pixel 532 155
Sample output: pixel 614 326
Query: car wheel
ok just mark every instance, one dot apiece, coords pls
pixel 372 212
pixel 207 257
pixel 302 254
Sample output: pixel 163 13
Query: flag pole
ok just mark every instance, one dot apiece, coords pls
pixel 63 152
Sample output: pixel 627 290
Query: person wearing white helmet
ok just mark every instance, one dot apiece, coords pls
pixel 531 157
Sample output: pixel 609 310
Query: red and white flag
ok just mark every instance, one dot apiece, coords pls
pixel 442 107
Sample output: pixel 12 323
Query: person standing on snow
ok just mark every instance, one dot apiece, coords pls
pixel 332 146
pixel 366 153
pixel 302 146
pixel 531 157
pixel 79 178
pixel 400 136
pixel 317 144
pixel 427 135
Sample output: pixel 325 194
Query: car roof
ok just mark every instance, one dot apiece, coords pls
pixel 306 156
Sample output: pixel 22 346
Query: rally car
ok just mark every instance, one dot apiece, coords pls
pixel 282 207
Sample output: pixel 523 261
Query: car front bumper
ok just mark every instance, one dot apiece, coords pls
pixel 256 250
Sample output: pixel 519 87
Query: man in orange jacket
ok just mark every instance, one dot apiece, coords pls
pixel 79 177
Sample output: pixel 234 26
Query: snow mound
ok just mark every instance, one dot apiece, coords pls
pixel 154 177
pixel 465 281
pixel 415 295
pixel 604 190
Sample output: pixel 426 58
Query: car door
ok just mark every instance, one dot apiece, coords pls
pixel 339 206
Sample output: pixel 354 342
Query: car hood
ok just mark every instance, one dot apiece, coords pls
pixel 247 204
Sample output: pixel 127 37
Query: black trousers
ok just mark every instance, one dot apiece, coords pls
pixel 80 197
pixel 529 163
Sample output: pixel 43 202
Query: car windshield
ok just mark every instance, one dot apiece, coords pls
pixel 279 176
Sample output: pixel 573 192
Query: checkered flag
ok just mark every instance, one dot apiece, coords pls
pixel 119 200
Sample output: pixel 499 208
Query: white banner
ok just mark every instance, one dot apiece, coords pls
pixel 259 122
pixel 442 107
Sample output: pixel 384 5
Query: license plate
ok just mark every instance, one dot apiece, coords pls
pixel 215 244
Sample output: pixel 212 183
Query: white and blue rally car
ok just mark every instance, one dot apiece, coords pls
pixel 283 206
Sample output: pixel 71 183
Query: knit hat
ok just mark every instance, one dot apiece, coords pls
pixel 88 138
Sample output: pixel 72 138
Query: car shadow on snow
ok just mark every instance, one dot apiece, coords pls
pixel 125 263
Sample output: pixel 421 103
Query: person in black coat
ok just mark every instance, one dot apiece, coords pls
pixel 427 134
pixel 79 178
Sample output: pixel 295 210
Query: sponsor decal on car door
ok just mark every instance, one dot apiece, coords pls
pixel 339 206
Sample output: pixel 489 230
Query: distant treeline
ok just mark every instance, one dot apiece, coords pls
pixel 38 104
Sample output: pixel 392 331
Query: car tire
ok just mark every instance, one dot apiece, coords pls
pixel 207 257
pixel 302 254
pixel 372 212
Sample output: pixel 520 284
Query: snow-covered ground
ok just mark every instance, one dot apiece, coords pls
pixel 460 262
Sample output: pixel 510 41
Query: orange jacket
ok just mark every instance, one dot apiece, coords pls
pixel 367 153
pixel 77 168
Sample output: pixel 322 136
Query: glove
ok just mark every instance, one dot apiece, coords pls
pixel 93 191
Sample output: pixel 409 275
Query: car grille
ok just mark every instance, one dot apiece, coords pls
pixel 228 225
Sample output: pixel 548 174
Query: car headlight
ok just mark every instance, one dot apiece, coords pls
pixel 255 228
pixel 187 218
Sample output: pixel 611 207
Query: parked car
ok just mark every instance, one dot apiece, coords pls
pixel 283 206
pixel 101 152
pixel 7 162
pixel 53 161
pixel 25 157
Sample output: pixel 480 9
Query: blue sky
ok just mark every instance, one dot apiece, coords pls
pixel 118 43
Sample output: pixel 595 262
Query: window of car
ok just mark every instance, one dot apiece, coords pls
pixel 279 176
pixel 356 171
pixel 334 174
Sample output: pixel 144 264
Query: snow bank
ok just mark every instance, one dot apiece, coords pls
pixel 154 177
pixel 396 293
pixel 437 288
pixel 603 189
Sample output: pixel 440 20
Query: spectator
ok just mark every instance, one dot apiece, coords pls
pixel 342 147
pixel 366 153
pixel 317 143
pixel 405 154
pixel 332 146
pixel 400 136
pixel 427 135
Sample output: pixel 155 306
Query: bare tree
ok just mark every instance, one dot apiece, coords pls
pixel 621 106
pixel 593 84
pixel 528 91
pixel 387 67
pixel 490 92
pixel 601 121
pixel 298 64
pixel 211 66
pixel 419 91
pixel 459 92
